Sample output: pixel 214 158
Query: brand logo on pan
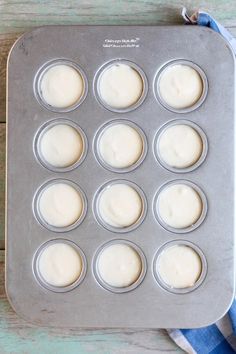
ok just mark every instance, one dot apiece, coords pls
pixel 121 43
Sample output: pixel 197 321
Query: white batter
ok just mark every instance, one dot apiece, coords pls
pixel 179 266
pixel 60 205
pixel 179 206
pixel 120 205
pixel 61 145
pixel 180 86
pixel 180 146
pixel 61 86
pixel 119 265
pixel 120 145
pixel 120 86
pixel 60 264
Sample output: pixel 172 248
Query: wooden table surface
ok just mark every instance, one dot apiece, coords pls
pixel 16 335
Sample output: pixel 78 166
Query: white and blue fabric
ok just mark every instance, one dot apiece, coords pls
pixel 219 338
pixel 204 19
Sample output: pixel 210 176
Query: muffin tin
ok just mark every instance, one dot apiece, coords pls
pixel 148 303
pixel 204 82
pixel 38 79
pixel 134 66
pixel 200 133
pixel 50 124
pixel 40 279
pixel 99 135
pixel 39 217
pixel 199 220
pixel 134 285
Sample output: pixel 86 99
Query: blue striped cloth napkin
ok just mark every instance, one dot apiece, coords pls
pixel 219 338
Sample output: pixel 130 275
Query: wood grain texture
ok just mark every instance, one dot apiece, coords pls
pixel 18 15
pixel 6 42
pixel 18 336
pixel 2 183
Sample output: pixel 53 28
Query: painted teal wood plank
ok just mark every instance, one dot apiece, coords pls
pixel 17 15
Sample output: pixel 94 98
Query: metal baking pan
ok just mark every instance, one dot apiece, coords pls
pixel 148 49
